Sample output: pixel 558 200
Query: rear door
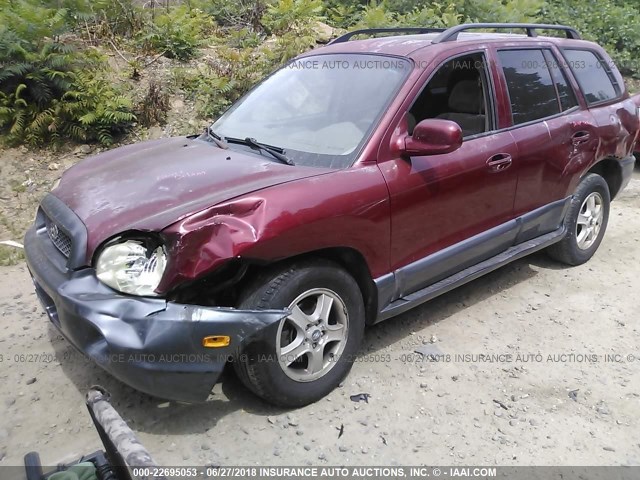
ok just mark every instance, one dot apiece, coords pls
pixel 556 137
pixel 603 91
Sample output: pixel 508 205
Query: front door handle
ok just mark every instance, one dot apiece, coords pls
pixel 499 162
pixel 579 138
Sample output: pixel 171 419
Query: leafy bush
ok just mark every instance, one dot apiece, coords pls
pixel 32 21
pixel 502 11
pixel 211 92
pixel 375 15
pixel 93 109
pixel 243 58
pixel 49 89
pixel 243 37
pixel 112 17
pixel 234 13
pixel 285 16
pixel 342 15
pixel 616 27
pixel 436 15
pixel 48 102
pixel 178 33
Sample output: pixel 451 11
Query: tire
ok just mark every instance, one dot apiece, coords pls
pixel 589 209
pixel 336 331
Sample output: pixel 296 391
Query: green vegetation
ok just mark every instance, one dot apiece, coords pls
pixel 10 256
pixel 51 86
pixel 177 33
pixel 56 83
pixel 615 25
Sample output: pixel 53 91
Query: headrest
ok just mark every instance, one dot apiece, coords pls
pixel 466 97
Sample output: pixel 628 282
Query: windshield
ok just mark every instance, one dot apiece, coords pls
pixel 319 109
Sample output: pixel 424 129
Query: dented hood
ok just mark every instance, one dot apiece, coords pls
pixel 149 185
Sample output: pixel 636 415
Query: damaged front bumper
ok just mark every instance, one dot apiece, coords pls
pixel 150 344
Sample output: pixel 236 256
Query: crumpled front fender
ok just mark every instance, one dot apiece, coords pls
pixel 204 241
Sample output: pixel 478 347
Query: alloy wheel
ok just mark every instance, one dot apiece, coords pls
pixel 312 338
pixel 590 220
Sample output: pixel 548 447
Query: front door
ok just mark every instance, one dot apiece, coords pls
pixel 451 211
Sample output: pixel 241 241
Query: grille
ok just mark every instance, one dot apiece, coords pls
pixel 59 238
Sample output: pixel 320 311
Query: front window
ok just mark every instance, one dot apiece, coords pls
pixel 319 109
pixel 459 91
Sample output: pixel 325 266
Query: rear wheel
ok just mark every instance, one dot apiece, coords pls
pixel 586 221
pixel 314 346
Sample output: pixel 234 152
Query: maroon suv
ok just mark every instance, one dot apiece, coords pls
pixel 362 179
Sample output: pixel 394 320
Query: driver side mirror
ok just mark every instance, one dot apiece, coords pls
pixel 433 136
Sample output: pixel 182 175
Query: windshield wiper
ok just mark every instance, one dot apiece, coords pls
pixel 217 139
pixel 276 152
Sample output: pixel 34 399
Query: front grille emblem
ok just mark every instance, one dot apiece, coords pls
pixel 59 237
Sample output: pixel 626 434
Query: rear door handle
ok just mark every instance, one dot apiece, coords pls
pixel 581 137
pixel 499 162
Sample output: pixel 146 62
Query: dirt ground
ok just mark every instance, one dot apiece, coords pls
pixel 544 394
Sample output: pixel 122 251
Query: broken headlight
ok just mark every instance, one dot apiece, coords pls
pixel 132 266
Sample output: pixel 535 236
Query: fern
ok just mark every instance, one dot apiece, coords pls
pixel 178 33
pixel 49 90
pixel 284 16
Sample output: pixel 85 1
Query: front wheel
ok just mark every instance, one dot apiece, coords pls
pixel 586 222
pixel 315 346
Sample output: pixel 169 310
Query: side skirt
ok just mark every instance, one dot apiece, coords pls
pixel 406 302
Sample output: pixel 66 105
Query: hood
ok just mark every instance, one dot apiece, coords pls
pixel 150 185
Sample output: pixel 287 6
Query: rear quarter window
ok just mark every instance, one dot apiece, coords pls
pixel 593 74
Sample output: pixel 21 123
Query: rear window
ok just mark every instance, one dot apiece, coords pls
pixel 531 89
pixel 593 74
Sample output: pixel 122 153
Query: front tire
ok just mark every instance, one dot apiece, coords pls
pixel 586 221
pixel 315 346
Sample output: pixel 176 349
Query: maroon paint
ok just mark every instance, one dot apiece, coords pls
pixel 391 208
pixel 433 136
pixel 346 208
pixel 146 186
pixel 439 200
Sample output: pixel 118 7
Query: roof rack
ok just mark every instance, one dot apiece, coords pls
pixel 375 31
pixel 451 34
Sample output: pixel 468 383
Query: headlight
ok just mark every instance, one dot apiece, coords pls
pixel 132 267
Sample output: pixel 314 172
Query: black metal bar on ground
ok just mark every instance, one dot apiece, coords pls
pixel 124 450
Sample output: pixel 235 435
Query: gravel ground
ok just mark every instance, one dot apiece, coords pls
pixel 550 398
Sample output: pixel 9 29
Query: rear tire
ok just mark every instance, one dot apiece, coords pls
pixel 315 346
pixel 586 221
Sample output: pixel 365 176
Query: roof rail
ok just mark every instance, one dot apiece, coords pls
pixel 375 31
pixel 451 34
